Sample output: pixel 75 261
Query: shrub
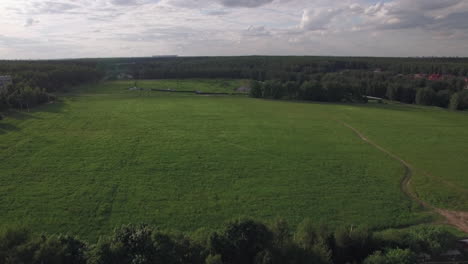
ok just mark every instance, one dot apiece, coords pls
pixel 241 241
pixel 392 256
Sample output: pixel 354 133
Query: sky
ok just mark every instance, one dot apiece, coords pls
pixel 51 29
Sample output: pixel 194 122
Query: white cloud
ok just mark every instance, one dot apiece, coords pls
pixel 318 19
pixel 90 28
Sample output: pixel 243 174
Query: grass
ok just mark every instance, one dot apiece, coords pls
pixel 202 85
pixel 106 156
pixel 433 140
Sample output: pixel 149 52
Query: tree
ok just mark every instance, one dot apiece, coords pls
pixel 454 102
pixel 443 98
pixel 352 244
pixel 241 241
pixel 429 239
pixel 425 96
pixel 392 256
pixel 393 92
pixel 20 246
pixel 213 259
pixel 256 89
pixel 312 90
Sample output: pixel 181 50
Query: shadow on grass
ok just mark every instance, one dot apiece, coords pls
pixel 389 105
pixel 6 127
pixel 55 107
pixel 24 114
pixel 398 107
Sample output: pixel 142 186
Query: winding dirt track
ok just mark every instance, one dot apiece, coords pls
pixel 454 218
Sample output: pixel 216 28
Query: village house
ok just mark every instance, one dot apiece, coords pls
pixel 5 81
pixel 435 77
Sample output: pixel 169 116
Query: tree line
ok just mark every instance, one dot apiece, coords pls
pixel 239 242
pixel 358 86
pixel 330 79
pixel 34 82
pixel 300 78
pixel 284 68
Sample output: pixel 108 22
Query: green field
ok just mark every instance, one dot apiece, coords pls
pixel 105 156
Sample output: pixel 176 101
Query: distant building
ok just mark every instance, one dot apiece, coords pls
pixel 420 76
pixel 124 76
pixel 435 77
pixel 5 81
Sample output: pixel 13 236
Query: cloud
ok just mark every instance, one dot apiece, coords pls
pixel 215 12
pixel 244 3
pixel 256 31
pixel 224 3
pixel 53 7
pixel 428 15
pixel 318 19
pixel 30 22
pixel 132 2
pixel 232 27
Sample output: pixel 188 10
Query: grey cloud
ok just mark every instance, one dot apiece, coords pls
pixel 216 12
pixel 452 21
pixel 426 5
pixel 30 22
pixel 51 7
pixel 244 3
pixel 129 2
pixel 225 3
pixel 417 14
pixel 259 31
pixel 124 2
pixel 404 20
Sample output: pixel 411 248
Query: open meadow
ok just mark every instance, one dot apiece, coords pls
pixel 103 156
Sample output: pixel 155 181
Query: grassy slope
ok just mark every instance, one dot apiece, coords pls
pixel 185 161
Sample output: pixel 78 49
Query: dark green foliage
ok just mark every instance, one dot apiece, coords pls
pixel 214 259
pixel 426 96
pixel 392 256
pixel 455 102
pixel 443 98
pixel 256 89
pixel 312 90
pixel 335 79
pixel 430 240
pixel 243 241
pixel 33 81
pixel 352 244
pixel 20 246
pixel 143 244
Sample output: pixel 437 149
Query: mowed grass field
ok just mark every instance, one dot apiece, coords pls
pixel 105 156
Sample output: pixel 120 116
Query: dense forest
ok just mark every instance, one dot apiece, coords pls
pixel 239 242
pixel 35 81
pixel 440 82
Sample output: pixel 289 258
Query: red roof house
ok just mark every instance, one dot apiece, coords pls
pixel 435 77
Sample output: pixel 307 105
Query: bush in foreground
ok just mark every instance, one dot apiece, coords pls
pixel 241 241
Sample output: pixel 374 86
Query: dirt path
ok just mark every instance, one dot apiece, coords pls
pixel 454 218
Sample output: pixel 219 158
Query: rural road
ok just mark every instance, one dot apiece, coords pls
pixel 454 218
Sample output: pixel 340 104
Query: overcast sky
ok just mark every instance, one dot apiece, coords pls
pixel 33 29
